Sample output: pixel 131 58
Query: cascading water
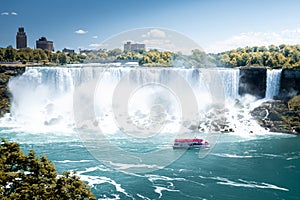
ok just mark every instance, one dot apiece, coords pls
pixel 43 96
pixel 230 81
pixel 273 83
pixel 43 103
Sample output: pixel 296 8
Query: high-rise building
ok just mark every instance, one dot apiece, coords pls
pixel 133 47
pixel 21 39
pixel 44 44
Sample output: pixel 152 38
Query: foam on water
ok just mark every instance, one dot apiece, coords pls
pixel 249 184
pixel 98 180
pixel 43 100
pixel 160 189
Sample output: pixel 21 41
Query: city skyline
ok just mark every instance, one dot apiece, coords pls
pixel 215 25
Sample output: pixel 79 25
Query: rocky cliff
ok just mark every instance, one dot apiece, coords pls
pixel 253 81
pixel 290 83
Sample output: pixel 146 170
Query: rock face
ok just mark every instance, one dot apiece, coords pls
pixel 5 74
pixel 290 83
pixel 253 81
pixel 278 116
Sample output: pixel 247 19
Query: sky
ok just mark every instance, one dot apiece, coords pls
pixel 215 25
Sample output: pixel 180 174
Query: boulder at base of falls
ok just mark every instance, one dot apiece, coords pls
pixel 279 116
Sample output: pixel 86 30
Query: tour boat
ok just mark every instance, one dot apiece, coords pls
pixel 190 143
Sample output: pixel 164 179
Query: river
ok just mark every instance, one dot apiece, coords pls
pixel 75 116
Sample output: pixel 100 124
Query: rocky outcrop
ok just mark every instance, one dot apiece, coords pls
pixel 278 116
pixel 5 74
pixel 253 81
pixel 290 83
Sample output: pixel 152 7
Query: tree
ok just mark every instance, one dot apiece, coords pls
pixel 273 48
pixel 63 59
pixel 2 52
pixel 25 176
pixel 37 55
pixel 10 54
pixel 114 52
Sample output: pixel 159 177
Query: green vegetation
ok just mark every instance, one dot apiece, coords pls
pixel 154 57
pixel 146 58
pixel 29 177
pixel 198 59
pixel 26 55
pixel 286 56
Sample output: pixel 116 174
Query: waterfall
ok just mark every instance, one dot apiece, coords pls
pixel 230 82
pixel 273 83
pixel 43 97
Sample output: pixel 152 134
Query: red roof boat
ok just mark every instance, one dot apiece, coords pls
pixel 190 143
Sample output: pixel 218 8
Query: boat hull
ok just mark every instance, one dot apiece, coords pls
pixel 190 144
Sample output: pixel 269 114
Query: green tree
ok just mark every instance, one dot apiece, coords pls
pixel 54 58
pixel 1 54
pixel 10 54
pixel 63 59
pixel 273 48
pixel 25 176
pixel 36 55
pixel 114 52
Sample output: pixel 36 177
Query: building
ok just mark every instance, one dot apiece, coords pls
pixel 21 39
pixel 44 44
pixel 134 47
pixel 87 51
pixel 68 51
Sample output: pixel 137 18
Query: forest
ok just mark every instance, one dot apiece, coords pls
pixel 285 56
pixel 28 55
pixel 282 56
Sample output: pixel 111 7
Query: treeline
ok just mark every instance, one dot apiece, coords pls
pixel 286 56
pixel 154 57
pixel 28 55
pixel 146 58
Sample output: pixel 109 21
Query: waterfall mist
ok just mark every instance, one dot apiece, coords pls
pixel 43 99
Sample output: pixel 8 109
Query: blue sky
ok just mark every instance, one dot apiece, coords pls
pixel 216 25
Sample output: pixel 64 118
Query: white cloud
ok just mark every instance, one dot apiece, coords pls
pixel 80 31
pixel 95 36
pixel 98 45
pixel 14 13
pixel 5 13
pixel 256 39
pixel 94 45
pixel 155 33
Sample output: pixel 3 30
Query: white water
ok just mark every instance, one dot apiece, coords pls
pixel 273 83
pixel 158 99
